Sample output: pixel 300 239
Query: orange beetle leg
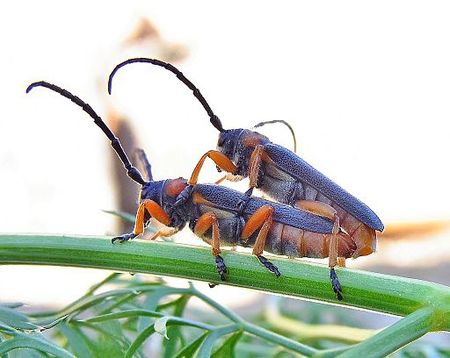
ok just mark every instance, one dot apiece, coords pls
pixel 164 232
pixel 203 224
pixel 255 165
pixel 217 157
pixel 325 210
pixel 155 211
pixel 261 219
pixel 257 220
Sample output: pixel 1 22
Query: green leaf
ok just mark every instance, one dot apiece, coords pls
pixel 77 340
pixel 105 346
pixel 190 349
pixel 174 333
pixel 227 348
pixel 4 328
pixel 207 345
pixel 139 341
pixel 16 319
pixel 36 342
pixel 26 353
pixel 152 302
pixel 106 330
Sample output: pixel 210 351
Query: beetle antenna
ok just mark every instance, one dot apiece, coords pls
pixel 132 172
pixel 215 121
pixel 282 122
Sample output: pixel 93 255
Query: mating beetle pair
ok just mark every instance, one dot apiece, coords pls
pixel 315 217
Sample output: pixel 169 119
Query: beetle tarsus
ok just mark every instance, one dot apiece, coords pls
pixel 221 267
pixel 335 284
pixel 270 266
pixel 212 285
pixel 123 238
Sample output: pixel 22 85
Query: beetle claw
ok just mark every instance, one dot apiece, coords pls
pixel 123 238
pixel 221 267
pixel 270 266
pixel 335 284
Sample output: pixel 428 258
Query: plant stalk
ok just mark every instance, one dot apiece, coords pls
pixel 383 293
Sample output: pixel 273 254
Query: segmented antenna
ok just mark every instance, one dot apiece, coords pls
pixel 283 122
pixel 132 172
pixel 215 121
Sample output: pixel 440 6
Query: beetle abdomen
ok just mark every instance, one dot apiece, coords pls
pixel 364 236
pixel 293 242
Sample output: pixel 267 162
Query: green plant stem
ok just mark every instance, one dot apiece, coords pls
pixel 389 339
pixel 383 293
pixel 314 332
pixel 278 339
pixel 142 312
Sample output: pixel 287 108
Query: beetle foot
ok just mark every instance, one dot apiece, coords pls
pixel 212 285
pixel 335 284
pixel 123 238
pixel 270 266
pixel 221 267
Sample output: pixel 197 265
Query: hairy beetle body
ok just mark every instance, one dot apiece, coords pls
pixel 294 232
pixel 220 215
pixel 287 178
pixel 279 172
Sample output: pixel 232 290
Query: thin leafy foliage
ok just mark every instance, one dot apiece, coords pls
pixel 139 316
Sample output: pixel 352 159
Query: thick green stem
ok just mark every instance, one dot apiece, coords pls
pixel 383 293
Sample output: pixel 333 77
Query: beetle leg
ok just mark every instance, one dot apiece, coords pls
pixel 335 284
pixel 203 224
pixel 164 232
pixel 230 177
pixel 262 220
pixel 341 261
pixel 217 157
pixel 325 210
pixel 255 165
pixel 217 182
pixel 154 209
pixel 258 156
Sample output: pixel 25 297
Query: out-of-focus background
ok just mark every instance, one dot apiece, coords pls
pixel 366 87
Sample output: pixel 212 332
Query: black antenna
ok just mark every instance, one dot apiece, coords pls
pixel 132 172
pixel 283 122
pixel 215 121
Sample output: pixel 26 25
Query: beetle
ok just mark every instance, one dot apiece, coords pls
pixel 281 174
pixel 223 216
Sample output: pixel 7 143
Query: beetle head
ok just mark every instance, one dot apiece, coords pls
pixel 227 142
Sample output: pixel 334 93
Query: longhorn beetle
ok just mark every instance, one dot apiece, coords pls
pixel 220 215
pixel 282 174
